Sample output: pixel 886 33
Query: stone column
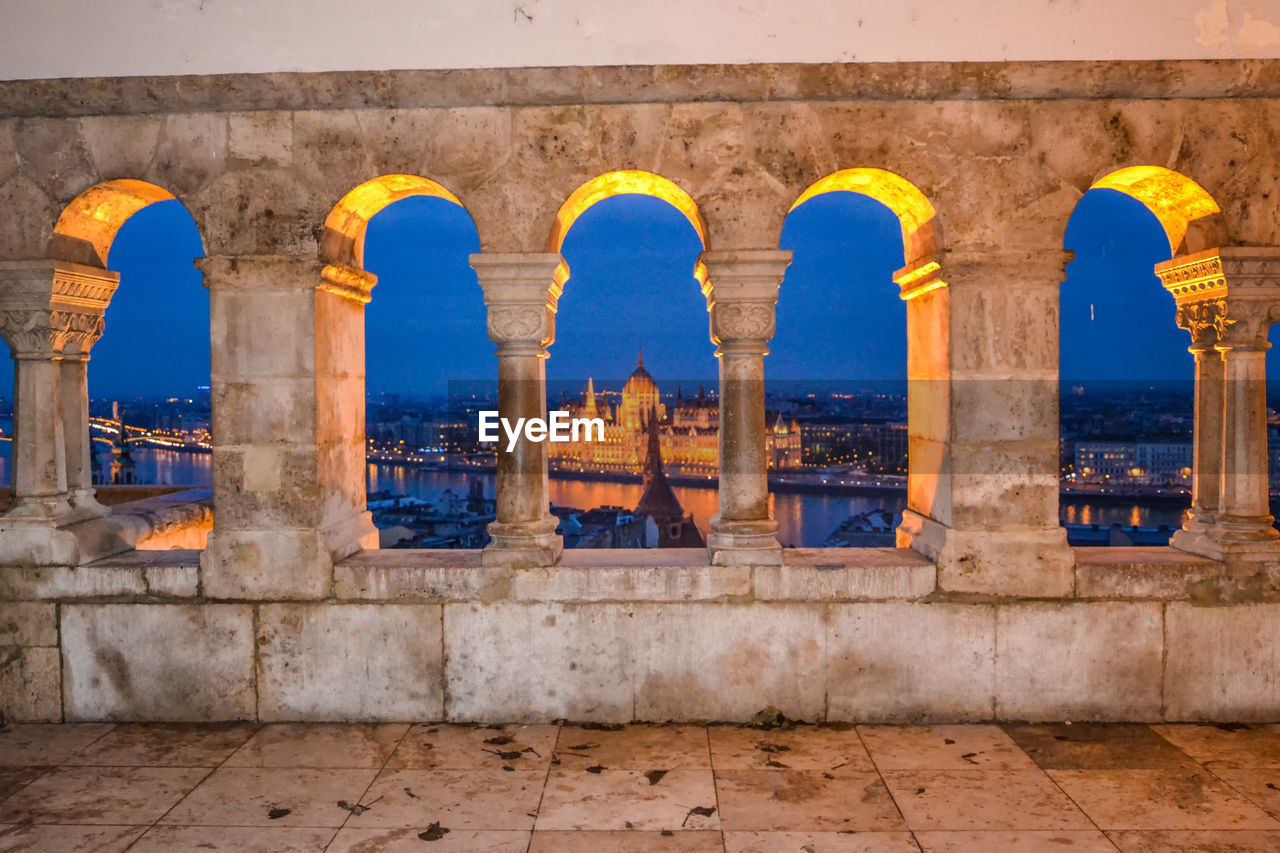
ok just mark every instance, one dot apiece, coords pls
pixel 287 358
pixel 982 328
pixel 521 292
pixel 742 294
pixel 1244 513
pixel 74 381
pixel 48 310
pixel 1227 298
pixel 1206 454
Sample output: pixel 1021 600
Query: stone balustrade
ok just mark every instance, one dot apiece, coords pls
pixel 983 613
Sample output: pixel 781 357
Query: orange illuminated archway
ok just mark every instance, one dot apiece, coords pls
pixel 88 225
pixel 626 182
pixel 1191 219
pixel 348 222
pixel 918 219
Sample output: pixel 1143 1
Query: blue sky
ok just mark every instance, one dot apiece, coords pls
pixel 632 257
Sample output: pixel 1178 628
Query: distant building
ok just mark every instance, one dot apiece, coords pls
pixel 1133 462
pixel 689 432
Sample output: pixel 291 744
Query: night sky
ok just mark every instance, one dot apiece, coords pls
pixel 632 258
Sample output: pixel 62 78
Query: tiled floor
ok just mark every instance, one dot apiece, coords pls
pixel 561 789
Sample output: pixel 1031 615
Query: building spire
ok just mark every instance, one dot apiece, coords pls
pixel 640 359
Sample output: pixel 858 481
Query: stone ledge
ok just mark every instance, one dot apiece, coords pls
pixel 845 574
pixel 635 575
pixel 1133 573
pixel 551 86
pixel 147 575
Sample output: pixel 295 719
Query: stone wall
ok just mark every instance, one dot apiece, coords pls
pixel 1148 635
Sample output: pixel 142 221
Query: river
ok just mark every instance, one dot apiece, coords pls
pixel 803 519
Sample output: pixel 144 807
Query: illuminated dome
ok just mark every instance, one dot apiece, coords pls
pixel 640 384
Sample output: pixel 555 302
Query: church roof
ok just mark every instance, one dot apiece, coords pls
pixel 658 500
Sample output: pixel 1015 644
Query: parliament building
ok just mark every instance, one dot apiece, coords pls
pixel 689 432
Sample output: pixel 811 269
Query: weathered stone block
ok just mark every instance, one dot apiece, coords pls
pixel 350 662
pixel 121 146
pixel 28 624
pixel 537 662
pixel 266 565
pixel 261 137
pixel 899 663
pixel 674 574
pixel 55 156
pixel 845 574
pixel 1223 663
pixel 263 334
pixel 403 575
pixel 1078 661
pixel 728 661
pixel 1137 573
pixel 30 684
pixel 174 663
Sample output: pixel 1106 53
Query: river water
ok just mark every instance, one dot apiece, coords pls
pixel 803 519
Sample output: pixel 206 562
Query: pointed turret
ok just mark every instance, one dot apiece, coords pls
pixel 589 404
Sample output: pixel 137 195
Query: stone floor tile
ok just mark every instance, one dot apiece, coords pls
pixel 46 744
pixel 408 840
pixel 819 842
pixel 1160 799
pixel 1015 841
pixel 635 747
pixel 628 799
pixel 101 795
pixel 233 839
pixel 1259 784
pixel 1093 746
pixel 349 746
pixel 249 796
pixel 801 748
pixel 473 748
pixel 1226 745
pixel 805 801
pixel 34 838
pixel 973 747
pixel 13 779
pixel 205 745
pixel 1192 841
pixel 982 799
pixel 668 841
pixel 459 799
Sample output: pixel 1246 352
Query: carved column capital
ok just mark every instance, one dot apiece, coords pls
pixel 521 292
pixel 1226 297
pixel 742 295
pixel 52 308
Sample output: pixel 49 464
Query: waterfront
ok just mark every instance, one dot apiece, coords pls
pixel 803 519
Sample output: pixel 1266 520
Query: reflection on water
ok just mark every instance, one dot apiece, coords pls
pixel 1126 515
pixel 803 519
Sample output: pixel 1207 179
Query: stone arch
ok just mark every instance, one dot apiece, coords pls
pixel 88 225
pixel 347 224
pixel 921 234
pixel 1189 215
pixel 626 182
